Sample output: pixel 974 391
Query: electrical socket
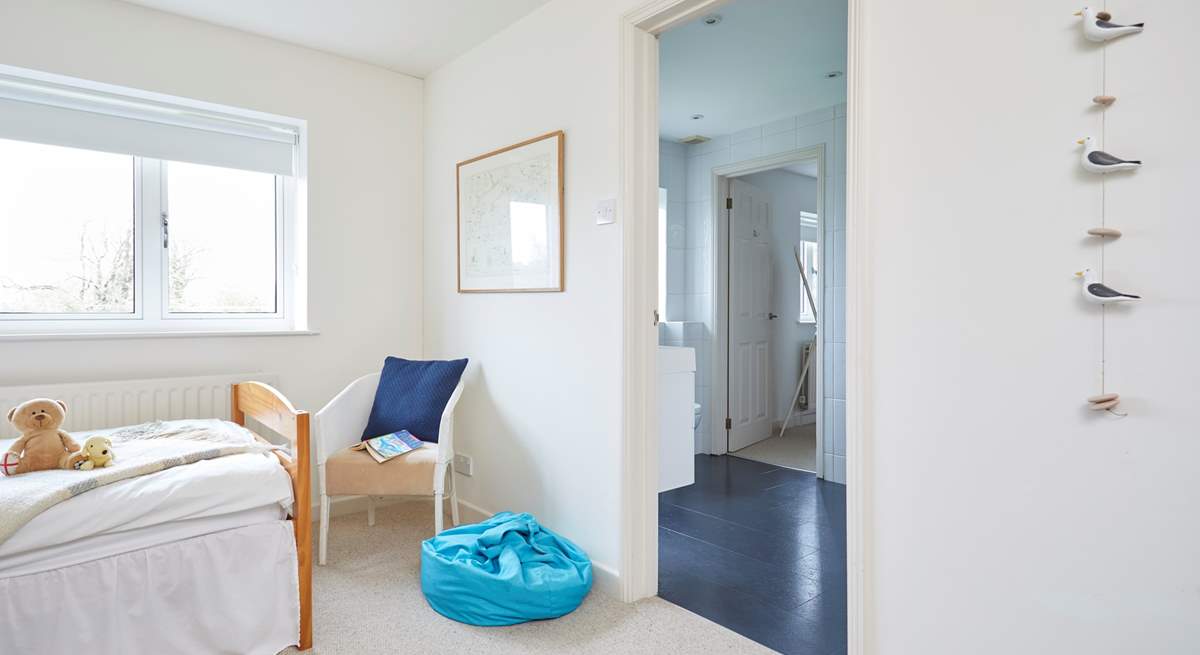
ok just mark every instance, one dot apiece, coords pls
pixel 605 211
pixel 464 464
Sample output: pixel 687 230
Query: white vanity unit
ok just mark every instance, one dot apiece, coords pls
pixel 676 417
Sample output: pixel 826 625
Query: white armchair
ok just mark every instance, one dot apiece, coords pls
pixel 345 472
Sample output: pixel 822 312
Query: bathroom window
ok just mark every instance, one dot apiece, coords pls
pixel 812 270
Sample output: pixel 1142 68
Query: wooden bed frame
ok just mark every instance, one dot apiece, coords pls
pixel 267 406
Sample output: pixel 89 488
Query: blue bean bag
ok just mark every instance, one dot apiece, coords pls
pixel 505 570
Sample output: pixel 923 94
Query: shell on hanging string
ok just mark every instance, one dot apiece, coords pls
pixel 1105 401
pixel 1111 232
pixel 1104 100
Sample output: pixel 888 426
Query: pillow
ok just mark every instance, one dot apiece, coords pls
pixel 412 396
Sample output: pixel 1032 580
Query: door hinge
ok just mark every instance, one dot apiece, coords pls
pixel 728 423
pixel 166 228
pixel 656 317
pixel 729 203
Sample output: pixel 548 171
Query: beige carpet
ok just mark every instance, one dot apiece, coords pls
pixel 796 449
pixel 367 599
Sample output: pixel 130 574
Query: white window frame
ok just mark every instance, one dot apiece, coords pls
pixel 811 250
pixel 150 316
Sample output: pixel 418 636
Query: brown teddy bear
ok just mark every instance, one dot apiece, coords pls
pixel 42 445
pixel 97 453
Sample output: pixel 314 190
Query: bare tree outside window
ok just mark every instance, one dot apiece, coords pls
pixel 66 230
pixel 69 236
pixel 223 237
pixel 106 272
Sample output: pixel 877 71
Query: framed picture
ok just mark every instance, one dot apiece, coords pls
pixel 510 218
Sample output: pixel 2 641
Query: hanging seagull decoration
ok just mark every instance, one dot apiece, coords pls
pixel 1096 292
pixel 1097 26
pixel 1098 161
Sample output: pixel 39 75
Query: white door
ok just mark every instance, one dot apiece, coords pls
pixel 749 313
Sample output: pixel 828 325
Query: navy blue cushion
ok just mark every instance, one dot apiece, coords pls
pixel 412 396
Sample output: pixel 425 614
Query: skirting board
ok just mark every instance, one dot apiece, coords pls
pixel 604 577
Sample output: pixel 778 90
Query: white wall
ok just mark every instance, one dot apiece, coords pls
pixel 790 194
pixel 826 127
pixel 1003 517
pixel 672 176
pixel 541 413
pixel 364 190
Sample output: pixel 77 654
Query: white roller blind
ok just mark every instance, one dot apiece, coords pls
pixel 58 113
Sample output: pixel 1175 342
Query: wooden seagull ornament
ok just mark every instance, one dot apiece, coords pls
pixel 1098 26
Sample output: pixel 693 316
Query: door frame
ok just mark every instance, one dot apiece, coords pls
pixel 722 286
pixel 637 131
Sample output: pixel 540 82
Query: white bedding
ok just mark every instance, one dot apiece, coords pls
pixel 163 599
pixel 208 488
pixel 191 559
pixel 105 545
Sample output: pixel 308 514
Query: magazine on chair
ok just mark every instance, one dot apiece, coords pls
pixel 391 445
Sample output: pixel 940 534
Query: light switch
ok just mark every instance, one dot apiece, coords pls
pixel 606 211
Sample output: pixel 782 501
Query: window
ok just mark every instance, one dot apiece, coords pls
pixel 814 282
pixel 813 271
pixel 66 231
pixel 113 218
pixel 221 233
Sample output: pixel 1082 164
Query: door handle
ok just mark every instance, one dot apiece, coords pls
pixel 771 317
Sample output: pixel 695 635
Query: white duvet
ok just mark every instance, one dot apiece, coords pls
pixel 208 488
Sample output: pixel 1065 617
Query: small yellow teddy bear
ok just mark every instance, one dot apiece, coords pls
pixel 96 453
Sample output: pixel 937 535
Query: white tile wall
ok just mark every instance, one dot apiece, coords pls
pixel 816 116
pixel 776 127
pixel 779 142
pixel 691 167
pixel 744 150
pixel 746 135
pixel 672 175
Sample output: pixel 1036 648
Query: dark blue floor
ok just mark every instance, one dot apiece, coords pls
pixel 760 550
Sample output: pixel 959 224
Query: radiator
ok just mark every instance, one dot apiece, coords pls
pixel 98 405
pixel 806 393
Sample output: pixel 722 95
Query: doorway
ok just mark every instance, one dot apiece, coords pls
pixel 756 546
pixel 772 309
pixel 639 142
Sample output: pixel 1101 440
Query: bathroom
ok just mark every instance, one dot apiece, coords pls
pixel 751 306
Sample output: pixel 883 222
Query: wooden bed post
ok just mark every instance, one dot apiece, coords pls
pixel 302 523
pixel 269 407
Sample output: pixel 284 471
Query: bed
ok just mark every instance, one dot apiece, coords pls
pixel 210 556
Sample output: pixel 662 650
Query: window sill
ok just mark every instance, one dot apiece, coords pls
pixel 163 334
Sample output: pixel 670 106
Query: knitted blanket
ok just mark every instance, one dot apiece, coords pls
pixel 138 449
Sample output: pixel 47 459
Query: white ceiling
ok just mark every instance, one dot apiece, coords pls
pixel 764 61
pixel 407 36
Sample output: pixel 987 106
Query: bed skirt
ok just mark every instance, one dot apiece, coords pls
pixel 233 591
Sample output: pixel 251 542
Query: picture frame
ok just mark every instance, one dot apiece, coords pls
pixel 510 218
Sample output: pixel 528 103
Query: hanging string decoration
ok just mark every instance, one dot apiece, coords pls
pixel 1098 27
